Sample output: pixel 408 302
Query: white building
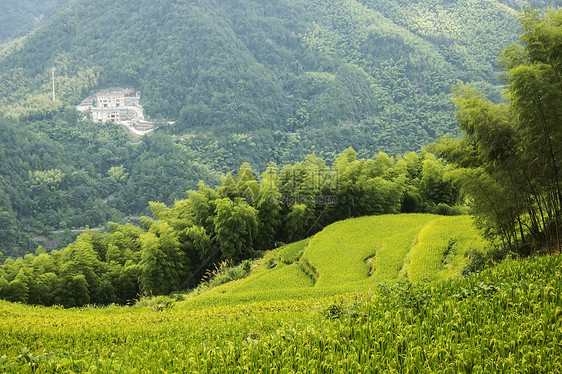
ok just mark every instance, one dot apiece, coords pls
pixel 110 99
pixel 105 115
pixel 120 106
pixel 108 106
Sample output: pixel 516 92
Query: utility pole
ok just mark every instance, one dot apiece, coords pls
pixel 53 75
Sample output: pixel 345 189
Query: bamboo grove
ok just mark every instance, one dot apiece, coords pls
pixel 237 220
pixel 510 160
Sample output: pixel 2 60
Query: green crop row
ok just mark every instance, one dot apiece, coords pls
pixel 358 254
pixel 441 247
pixel 505 319
pixel 339 252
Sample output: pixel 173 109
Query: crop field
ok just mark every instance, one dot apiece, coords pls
pixel 319 305
pixel 505 319
pixel 440 246
pixel 358 254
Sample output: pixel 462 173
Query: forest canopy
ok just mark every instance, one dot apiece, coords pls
pixel 239 219
pixel 375 73
pixel 510 158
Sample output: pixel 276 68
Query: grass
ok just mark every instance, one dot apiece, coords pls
pixel 505 319
pixel 350 256
pixel 291 253
pixel 337 302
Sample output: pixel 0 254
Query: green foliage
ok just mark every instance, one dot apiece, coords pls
pixel 232 222
pixel 428 259
pixel 162 263
pixel 63 175
pixel 291 253
pixel 503 319
pixel 20 17
pixel 235 228
pixel 358 253
pixel 371 74
pixel 18 289
pixel 247 82
pixel 432 187
pixel 510 156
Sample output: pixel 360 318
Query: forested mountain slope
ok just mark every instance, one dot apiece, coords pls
pixel 246 81
pixel 57 175
pixel 377 73
pixel 18 17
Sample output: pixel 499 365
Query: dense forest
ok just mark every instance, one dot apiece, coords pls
pixel 362 70
pixel 235 221
pixel 22 16
pixel 246 81
pixel 63 174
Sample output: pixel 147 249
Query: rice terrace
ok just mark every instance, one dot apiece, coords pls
pixel 342 186
pixel 336 302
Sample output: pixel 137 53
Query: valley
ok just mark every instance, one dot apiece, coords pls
pixel 350 186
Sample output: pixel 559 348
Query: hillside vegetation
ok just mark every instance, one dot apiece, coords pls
pixel 20 17
pixel 59 174
pixel 359 253
pixel 247 81
pixel 509 160
pixel 376 74
pixel 235 221
pixel 506 319
pixel 352 292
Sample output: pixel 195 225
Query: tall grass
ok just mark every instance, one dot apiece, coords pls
pixel 505 319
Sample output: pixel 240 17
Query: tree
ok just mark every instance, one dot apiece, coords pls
pixel 297 222
pixel 4 287
pixel 153 265
pixel 512 153
pixel 163 265
pixel 236 229
pixel 432 186
pixel 269 208
pixel 77 293
pixel 19 289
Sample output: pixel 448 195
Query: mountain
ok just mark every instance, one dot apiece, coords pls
pixel 378 74
pixel 245 81
pixel 58 175
pixel 18 17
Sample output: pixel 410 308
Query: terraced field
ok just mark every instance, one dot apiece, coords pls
pixel 318 306
pixel 357 254
pixel 506 319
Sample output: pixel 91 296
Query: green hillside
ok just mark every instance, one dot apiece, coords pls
pixel 59 174
pixel 370 282
pixel 376 74
pixel 19 17
pixel 505 319
pixel 359 254
pixel 246 81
